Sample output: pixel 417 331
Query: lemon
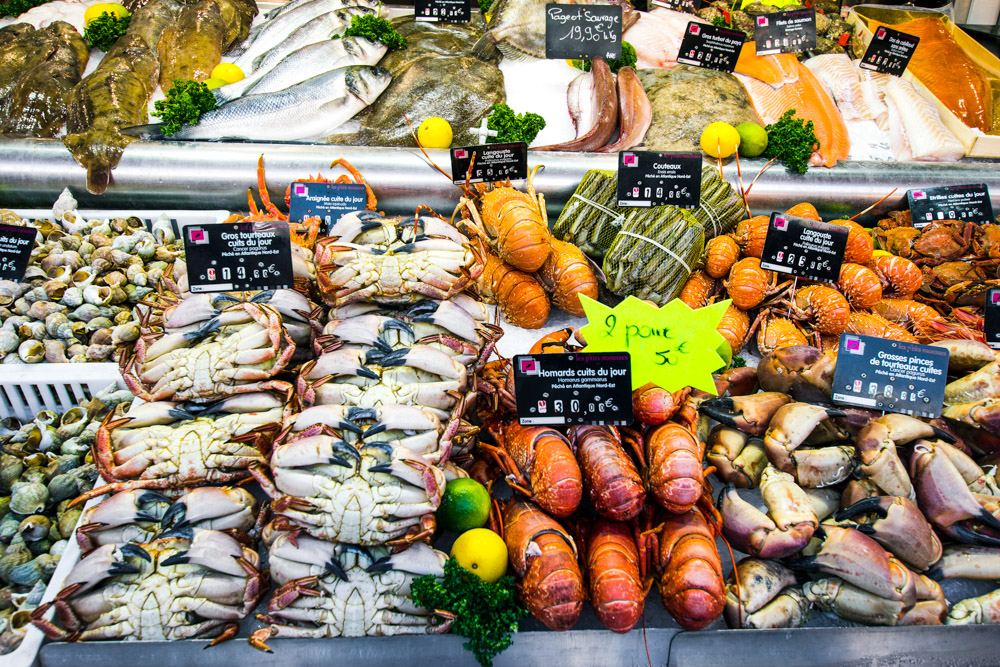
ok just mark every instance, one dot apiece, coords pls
pixel 753 139
pixel 94 11
pixel 228 72
pixel 213 83
pixel 465 505
pixel 482 552
pixel 720 139
pixel 879 253
pixel 434 132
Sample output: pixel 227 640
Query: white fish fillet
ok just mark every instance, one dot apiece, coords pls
pixel 841 79
pixel 873 90
pixel 916 117
pixel 580 97
pixel 657 37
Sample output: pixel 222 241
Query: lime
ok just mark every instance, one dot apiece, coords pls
pixel 720 139
pixel 753 139
pixel 482 552
pixel 95 11
pixel 213 83
pixel 465 505
pixel 434 132
pixel 228 72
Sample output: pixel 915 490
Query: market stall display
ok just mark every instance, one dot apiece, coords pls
pixel 391 436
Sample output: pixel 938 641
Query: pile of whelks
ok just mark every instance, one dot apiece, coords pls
pixel 354 397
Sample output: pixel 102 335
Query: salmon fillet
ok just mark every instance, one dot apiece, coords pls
pixel 774 70
pixel 812 102
pixel 941 65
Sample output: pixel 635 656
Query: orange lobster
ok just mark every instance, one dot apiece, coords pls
pixel 544 556
pixel 567 274
pixel 697 289
pixel 673 467
pixel 613 574
pixel 539 462
pixel 520 297
pixel 613 482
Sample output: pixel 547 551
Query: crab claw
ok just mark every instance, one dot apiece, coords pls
pixel 750 414
pixel 974 611
pixel 898 525
pixel 762 594
pixel 738 460
pixel 789 527
pixel 804 372
pixel 856 604
pixel 968 562
pixel 983 414
pixel 789 428
pixel 876 446
pixel 945 497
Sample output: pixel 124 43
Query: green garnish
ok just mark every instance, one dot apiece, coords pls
pixel 484 6
pixel 185 103
pixel 512 126
pixel 628 58
pixel 376 29
pixel 104 31
pixel 792 141
pixel 487 614
pixel 738 362
pixel 18 7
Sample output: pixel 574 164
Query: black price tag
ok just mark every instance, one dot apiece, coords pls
pixel 890 51
pixel 804 248
pixel 577 388
pixel 445 11
pixel 991 316
pixel 689 6
pixel 583 31
pixel 228 257
pixel 493 162
pixel 326 201
pixel 891 376
pixel 16 244
pixel 785 32
pixel 710 46
pixel 950 202
pixel 646 179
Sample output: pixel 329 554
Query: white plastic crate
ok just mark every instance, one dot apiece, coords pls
pixel 26 389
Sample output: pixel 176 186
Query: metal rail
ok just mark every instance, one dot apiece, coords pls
pixel 213 175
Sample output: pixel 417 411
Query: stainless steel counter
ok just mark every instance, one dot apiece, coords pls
pixel 209 175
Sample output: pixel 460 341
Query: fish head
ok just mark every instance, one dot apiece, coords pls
pixel 364 50
pixel 366 83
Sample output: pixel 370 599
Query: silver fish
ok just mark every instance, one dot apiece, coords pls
pixel 275 32
pixel 306 111
pixel 307 62
pixel 319 29
pixel 333 4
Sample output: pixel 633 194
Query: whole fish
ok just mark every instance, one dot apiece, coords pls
pixel 332 4
pixel 635 113
pixel 517 27
pixel 306 111
pixel 276 31
pixel 606 107
pixel 190 48
pixel 305 63
pixel 321 28
pixel 36 106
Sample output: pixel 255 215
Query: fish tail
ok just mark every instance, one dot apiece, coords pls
pixel 485 48
pixel 98 178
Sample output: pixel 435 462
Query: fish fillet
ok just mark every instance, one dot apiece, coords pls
pixel 811 101
pixel 657 37
pixel 916 129
pixel 841 79
pixel 941 65
pixel 873 91
pixel 774 70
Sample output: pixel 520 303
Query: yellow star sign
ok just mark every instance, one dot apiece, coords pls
pixel 673 346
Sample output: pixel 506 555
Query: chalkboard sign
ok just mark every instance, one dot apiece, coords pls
pixel 583 31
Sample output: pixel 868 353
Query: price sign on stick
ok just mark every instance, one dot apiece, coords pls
pixel 785 32
pixel 326 201
pixel 445 11
pixel 583 31
pixel 966 203
pixel 577 388
pixel 236 256
pixel 711 47
pixel 991 315
pixel 16 244
pixel 889 375
pixel 653 179
pixel 490 163
pixel 890 51
pixel 804 248
pixel 672 346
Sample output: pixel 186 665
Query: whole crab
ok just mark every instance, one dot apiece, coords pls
pixel 170 588
pixel 341 590
pixel 164 445
pixel 393 260
pixel 141 515
pixel 367 494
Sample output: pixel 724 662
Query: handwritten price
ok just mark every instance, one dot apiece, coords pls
pixel 590 34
